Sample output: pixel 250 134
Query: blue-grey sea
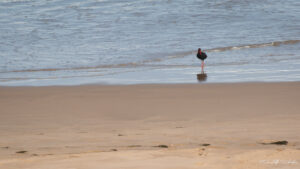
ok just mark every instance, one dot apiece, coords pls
pixel 75 42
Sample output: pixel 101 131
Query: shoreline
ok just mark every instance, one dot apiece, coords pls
pixel 152 84
pixel 248 73
pixel 228 125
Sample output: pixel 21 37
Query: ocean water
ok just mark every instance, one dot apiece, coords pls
pixel 74 42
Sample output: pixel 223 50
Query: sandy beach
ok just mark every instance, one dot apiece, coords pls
pixel 242 125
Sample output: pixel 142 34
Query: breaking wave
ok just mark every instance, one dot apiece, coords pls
pixel 228 48
pixel 260 45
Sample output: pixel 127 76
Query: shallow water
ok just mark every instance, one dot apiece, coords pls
pixel 73 42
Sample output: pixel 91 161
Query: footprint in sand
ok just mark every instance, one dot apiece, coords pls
pixel 202 152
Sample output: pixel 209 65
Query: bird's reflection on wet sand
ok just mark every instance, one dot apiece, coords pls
pixel 202 77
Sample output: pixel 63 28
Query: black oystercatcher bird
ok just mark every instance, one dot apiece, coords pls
pixel 202 56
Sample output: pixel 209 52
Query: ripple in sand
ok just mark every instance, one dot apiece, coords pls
pixel 162 146
pixel 21 152
pixel 281 142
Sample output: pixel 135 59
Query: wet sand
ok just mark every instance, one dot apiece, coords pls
pixel 151 126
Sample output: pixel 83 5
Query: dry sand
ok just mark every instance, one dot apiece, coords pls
pixel 150 126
